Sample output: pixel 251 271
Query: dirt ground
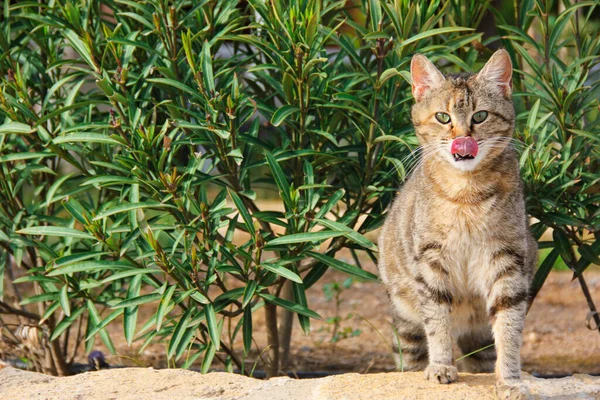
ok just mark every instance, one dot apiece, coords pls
pixel 167 384
pixel 556 339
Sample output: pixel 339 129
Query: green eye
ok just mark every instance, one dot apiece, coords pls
pixel 479 117
pixel 442 117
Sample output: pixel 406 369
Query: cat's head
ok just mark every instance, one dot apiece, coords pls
pixel 464 120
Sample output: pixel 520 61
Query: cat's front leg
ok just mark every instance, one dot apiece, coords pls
pixel 436 299
pixel 507 307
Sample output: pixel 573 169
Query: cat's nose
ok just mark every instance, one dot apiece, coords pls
pixel 460 130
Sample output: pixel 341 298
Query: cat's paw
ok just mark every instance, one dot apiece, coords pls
pixel 441 373
pixel 514 379
pixel 511 388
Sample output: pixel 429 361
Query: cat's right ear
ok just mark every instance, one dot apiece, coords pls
pixel 425 76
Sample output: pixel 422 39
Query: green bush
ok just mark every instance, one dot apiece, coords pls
pixel 138 139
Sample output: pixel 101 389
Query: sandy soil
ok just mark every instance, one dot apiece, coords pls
pixel 147 383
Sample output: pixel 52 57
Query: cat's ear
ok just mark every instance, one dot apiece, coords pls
pixel 425 76
pixel 498 70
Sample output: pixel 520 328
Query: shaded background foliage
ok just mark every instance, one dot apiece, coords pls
pixel 138 139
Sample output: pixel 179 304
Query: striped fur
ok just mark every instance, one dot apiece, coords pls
pixel 456 254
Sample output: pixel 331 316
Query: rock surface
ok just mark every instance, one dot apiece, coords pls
pixel 138 383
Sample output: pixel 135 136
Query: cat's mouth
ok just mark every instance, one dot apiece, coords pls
pixel 458 157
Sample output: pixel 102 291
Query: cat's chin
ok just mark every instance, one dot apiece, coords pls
pixel 464 164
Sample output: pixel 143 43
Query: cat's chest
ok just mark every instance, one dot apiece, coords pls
pixel 466 248
pixel 465 227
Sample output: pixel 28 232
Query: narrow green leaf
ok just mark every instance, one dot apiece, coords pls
pixel 76 257
pixel 131 313
pixel 305 237
pixel 95 320
pixel 76 209
pixel 228 296
pixel 589 254
pixel 130 240
pixel 49 311
pixel 16 128
pixel 66 323
pixel 247 332
pixel 239 204
pixel 342 266
pixel 131 207
pixel 53 296
pixel 177 85
pixel 64 300
pixel 36 278
pixel 300 298
pixel 349 233
pixel 86 137
pixel 281 271
pixel 179 331
pixel 330 203
pixel 280 179
pixel 542 272
pixel 211 321
pixel 184 343
pixel 187 47
pixel 89 267
pixel 429 33
pixel 249 291
pixel 563 219
pixel 375 14
pixel 55 186
pixel 282 113
pixel 79 46
pixel 23 156
pixel 389 138
pixel 192 359
pixel 199 297
pixel 55 231
pixel 563 245
pixel 288 305
pixel 207 68
pixel 107 180
pixel 584 262
pixel 164 306
pixel 136 301
pixel 387 74
pixel 111 317
pixel 209 355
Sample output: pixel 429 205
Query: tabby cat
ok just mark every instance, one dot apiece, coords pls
pixel 456 253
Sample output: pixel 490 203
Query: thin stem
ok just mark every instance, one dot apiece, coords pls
pixel 272 369
pixel 62 369
pixel 16 311
pixel 582 282
pixel 285 327
pixel 77 341
pixel 588 297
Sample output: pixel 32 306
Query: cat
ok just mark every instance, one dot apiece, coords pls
pixel 456 253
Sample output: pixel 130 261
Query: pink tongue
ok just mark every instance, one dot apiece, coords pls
pixel 464 146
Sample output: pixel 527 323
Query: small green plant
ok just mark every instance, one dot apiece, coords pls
pixel 333 292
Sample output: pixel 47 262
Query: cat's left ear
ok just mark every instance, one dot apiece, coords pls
pixel 498 70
